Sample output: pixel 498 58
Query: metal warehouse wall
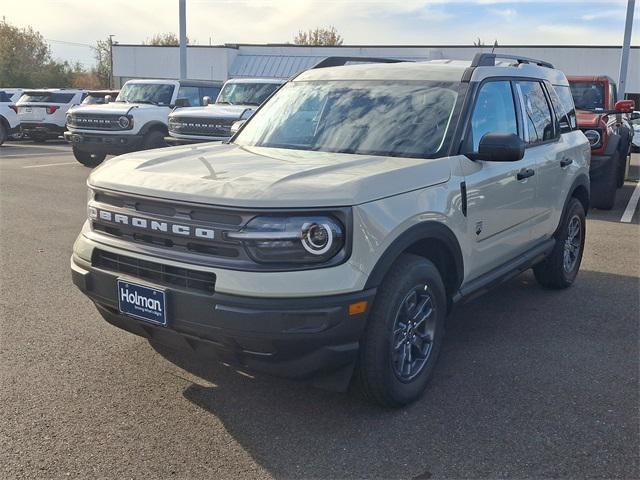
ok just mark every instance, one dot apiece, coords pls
pixel 282 61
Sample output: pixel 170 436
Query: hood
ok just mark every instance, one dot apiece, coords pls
pixel 112 108
pixel 226 112
pixel 258 177
pixel 587 118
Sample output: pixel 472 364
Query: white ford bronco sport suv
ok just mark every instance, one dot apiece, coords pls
pixel 237 101
pixel 330 238
pixel 136 120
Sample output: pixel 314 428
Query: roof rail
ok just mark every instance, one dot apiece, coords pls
pixel 489 60
pixel 340 61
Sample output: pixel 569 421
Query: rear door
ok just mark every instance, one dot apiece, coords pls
pixel 500 195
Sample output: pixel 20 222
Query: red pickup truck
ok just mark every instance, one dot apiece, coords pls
pixel 605 121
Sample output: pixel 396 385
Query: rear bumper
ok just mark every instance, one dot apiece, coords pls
pixel 289 337
pixel 46 129
pixel 101 143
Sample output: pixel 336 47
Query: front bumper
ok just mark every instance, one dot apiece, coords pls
pixel 290 337
pixel 104 143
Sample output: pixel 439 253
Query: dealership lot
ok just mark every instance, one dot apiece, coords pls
pixel 531 383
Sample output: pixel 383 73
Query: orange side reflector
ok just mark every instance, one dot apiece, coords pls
pixel 358 307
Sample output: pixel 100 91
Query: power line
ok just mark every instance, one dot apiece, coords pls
pixel 76 44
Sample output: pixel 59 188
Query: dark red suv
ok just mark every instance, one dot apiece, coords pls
pixel 606 123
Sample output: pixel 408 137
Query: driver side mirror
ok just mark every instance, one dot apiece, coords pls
pixel 206 101
pixel 625 106
pixel 499 147
pixel 108 99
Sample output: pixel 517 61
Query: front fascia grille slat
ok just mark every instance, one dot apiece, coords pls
pixel 95 122
pixel 155 272
pixel 214 127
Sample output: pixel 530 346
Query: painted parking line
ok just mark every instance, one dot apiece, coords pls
pixel 34 155
pixel 631 206
pixel 51 165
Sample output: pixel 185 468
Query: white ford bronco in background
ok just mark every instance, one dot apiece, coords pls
pixel 9 121
pixel 136 120
pixel 237 100
pixel 330 238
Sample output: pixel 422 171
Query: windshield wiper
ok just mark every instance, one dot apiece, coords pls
pixel 143 101
pixel 224 102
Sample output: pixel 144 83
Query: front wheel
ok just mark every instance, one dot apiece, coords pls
pixel 560 269
pixel 154 139
pixel 404 333
pixel 88 159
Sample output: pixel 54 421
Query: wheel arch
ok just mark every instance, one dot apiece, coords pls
pixel 431 240
pixel 581 190
pixel 153 125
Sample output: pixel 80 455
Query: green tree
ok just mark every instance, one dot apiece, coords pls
pixel 164 39
pixel 319 36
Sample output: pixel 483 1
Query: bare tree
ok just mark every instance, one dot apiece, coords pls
pixel 164 39
pixel 319 36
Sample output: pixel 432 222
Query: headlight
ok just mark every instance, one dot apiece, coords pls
pixel 92 213
pixel 594 137
pixel 124 122
pixel 292 240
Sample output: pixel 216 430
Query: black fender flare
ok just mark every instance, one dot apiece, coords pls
pixel 153 124
pixel 581 181
pixel 421 231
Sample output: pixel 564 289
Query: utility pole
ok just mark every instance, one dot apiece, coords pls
pixel 624 57
pixel 111 61
pixel 183 39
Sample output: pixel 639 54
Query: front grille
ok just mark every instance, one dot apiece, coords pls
pixel 155 272
pixel 213 127
pixel 95 121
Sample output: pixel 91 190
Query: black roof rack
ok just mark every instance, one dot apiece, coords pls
pixel 489 60
pixel 340 61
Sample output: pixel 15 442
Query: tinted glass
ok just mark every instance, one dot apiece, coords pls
pixel 46 97
pixel 246 93
pixel 494 111
pixel 563 105
pixel 4 98
pixel 211 92
pixel 155 93
pixel 587 95
pixel 403 119
pixel 537 115
pixel 192 94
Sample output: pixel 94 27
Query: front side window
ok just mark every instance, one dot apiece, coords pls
pixel 563 105
pixel 192 94
pixel 588 95
pixel 154 93
pixel 494 112
pixel 246 93
pixel 537 115
pixel 402 119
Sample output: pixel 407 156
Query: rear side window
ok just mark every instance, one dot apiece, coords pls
pixel 192 94
pixel 563 105
pixel 538 123
pixel 4 98
pixel 494 111
pixel 46 97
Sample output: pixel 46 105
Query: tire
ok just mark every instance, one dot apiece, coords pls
pixel 383 373
pixel 154 139
pixel 88 159
pixel 603 193
pixel 560 268
pixel 3 133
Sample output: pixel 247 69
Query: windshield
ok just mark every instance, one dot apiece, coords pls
pixel 588 95
pixel 402 119
pixel 246 93
pixel 155 93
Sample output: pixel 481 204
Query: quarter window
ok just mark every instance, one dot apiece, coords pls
pixel 563 105
pixel 494 112
pixel 537 115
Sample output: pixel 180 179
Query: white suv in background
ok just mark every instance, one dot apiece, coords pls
pixel 330 238
pixel 9 121
pixel 237 100
pixel 136 120
pixel 43 113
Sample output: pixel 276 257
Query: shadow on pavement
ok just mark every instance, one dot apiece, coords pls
pixel 530 382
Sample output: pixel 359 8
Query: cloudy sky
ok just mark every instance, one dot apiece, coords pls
pixel 420 22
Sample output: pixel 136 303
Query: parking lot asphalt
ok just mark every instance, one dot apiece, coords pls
pixel 530 384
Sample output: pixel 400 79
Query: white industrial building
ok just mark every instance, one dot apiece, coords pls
pixel 284 60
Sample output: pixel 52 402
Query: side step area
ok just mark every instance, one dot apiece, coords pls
pixel 505 272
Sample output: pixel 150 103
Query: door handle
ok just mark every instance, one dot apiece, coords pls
pixel 565 162
pixel 525 173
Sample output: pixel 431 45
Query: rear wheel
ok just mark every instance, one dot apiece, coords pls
pixel 560 268
pixel 154 139
pixel 404 333
pixel 88 159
